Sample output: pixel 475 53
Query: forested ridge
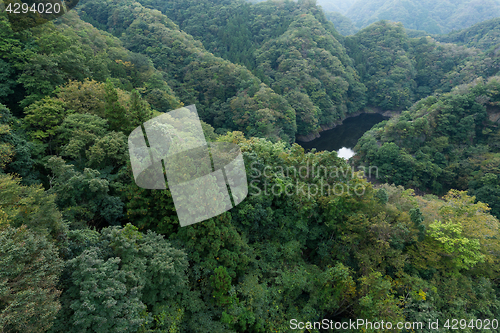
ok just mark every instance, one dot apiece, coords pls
pixel 294 50
pixel 84 249
pixel 483 35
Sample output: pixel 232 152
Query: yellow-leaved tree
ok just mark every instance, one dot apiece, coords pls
pixel 464 234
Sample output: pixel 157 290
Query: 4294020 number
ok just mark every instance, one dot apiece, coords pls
pixel 479 324
pixel 41 8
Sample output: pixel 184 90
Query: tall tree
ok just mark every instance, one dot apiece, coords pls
pixel 139 110
pixel 115 113
pixel 30 271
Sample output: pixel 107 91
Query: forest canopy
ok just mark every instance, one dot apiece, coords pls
pixel 84 249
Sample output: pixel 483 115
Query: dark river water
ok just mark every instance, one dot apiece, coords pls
pixel 343 138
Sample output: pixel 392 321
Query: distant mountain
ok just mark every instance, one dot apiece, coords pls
pixel 483 35
pixel 342 23
pixel 341 6
pixel 433 16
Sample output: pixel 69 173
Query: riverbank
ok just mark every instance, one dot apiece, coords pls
pixel 313 136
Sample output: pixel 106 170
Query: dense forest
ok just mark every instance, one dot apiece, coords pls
pixel 84 249
pixel 483 35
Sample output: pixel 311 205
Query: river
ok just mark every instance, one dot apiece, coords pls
pixel 343 138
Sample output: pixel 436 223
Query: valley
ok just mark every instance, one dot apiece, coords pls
pixel 85 247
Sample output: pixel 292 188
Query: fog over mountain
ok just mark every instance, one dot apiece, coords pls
pixel 341 6
pixel 433 16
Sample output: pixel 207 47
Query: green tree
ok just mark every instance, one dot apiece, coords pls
pixel 109 151
pixel 121 282
pixel 377 300
pixel 115 113
pixel 32 207
pixel 221 284
pixel 139 109
pixel 43 118
pixel 29 298
pixel 83 197
pixel 8 83
pixel 101 301
pixel 17 152
pixel 465 251
pixel 78 133
pixel 6 149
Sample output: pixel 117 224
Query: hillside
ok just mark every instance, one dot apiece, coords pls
pixel 483 35
pixel 323 92
pixel 442 143
pixel 341 23
pixel 260 37
pixel 398 70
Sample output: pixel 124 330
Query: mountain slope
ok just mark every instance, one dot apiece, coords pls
pixel 197 76
pixel 310 67
pixel 450 141
pixel 294 50
pixel 342 23
pixel 398 70
pixel 316 79
pixel 39 60
pixel 313 240
pixel 483 35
